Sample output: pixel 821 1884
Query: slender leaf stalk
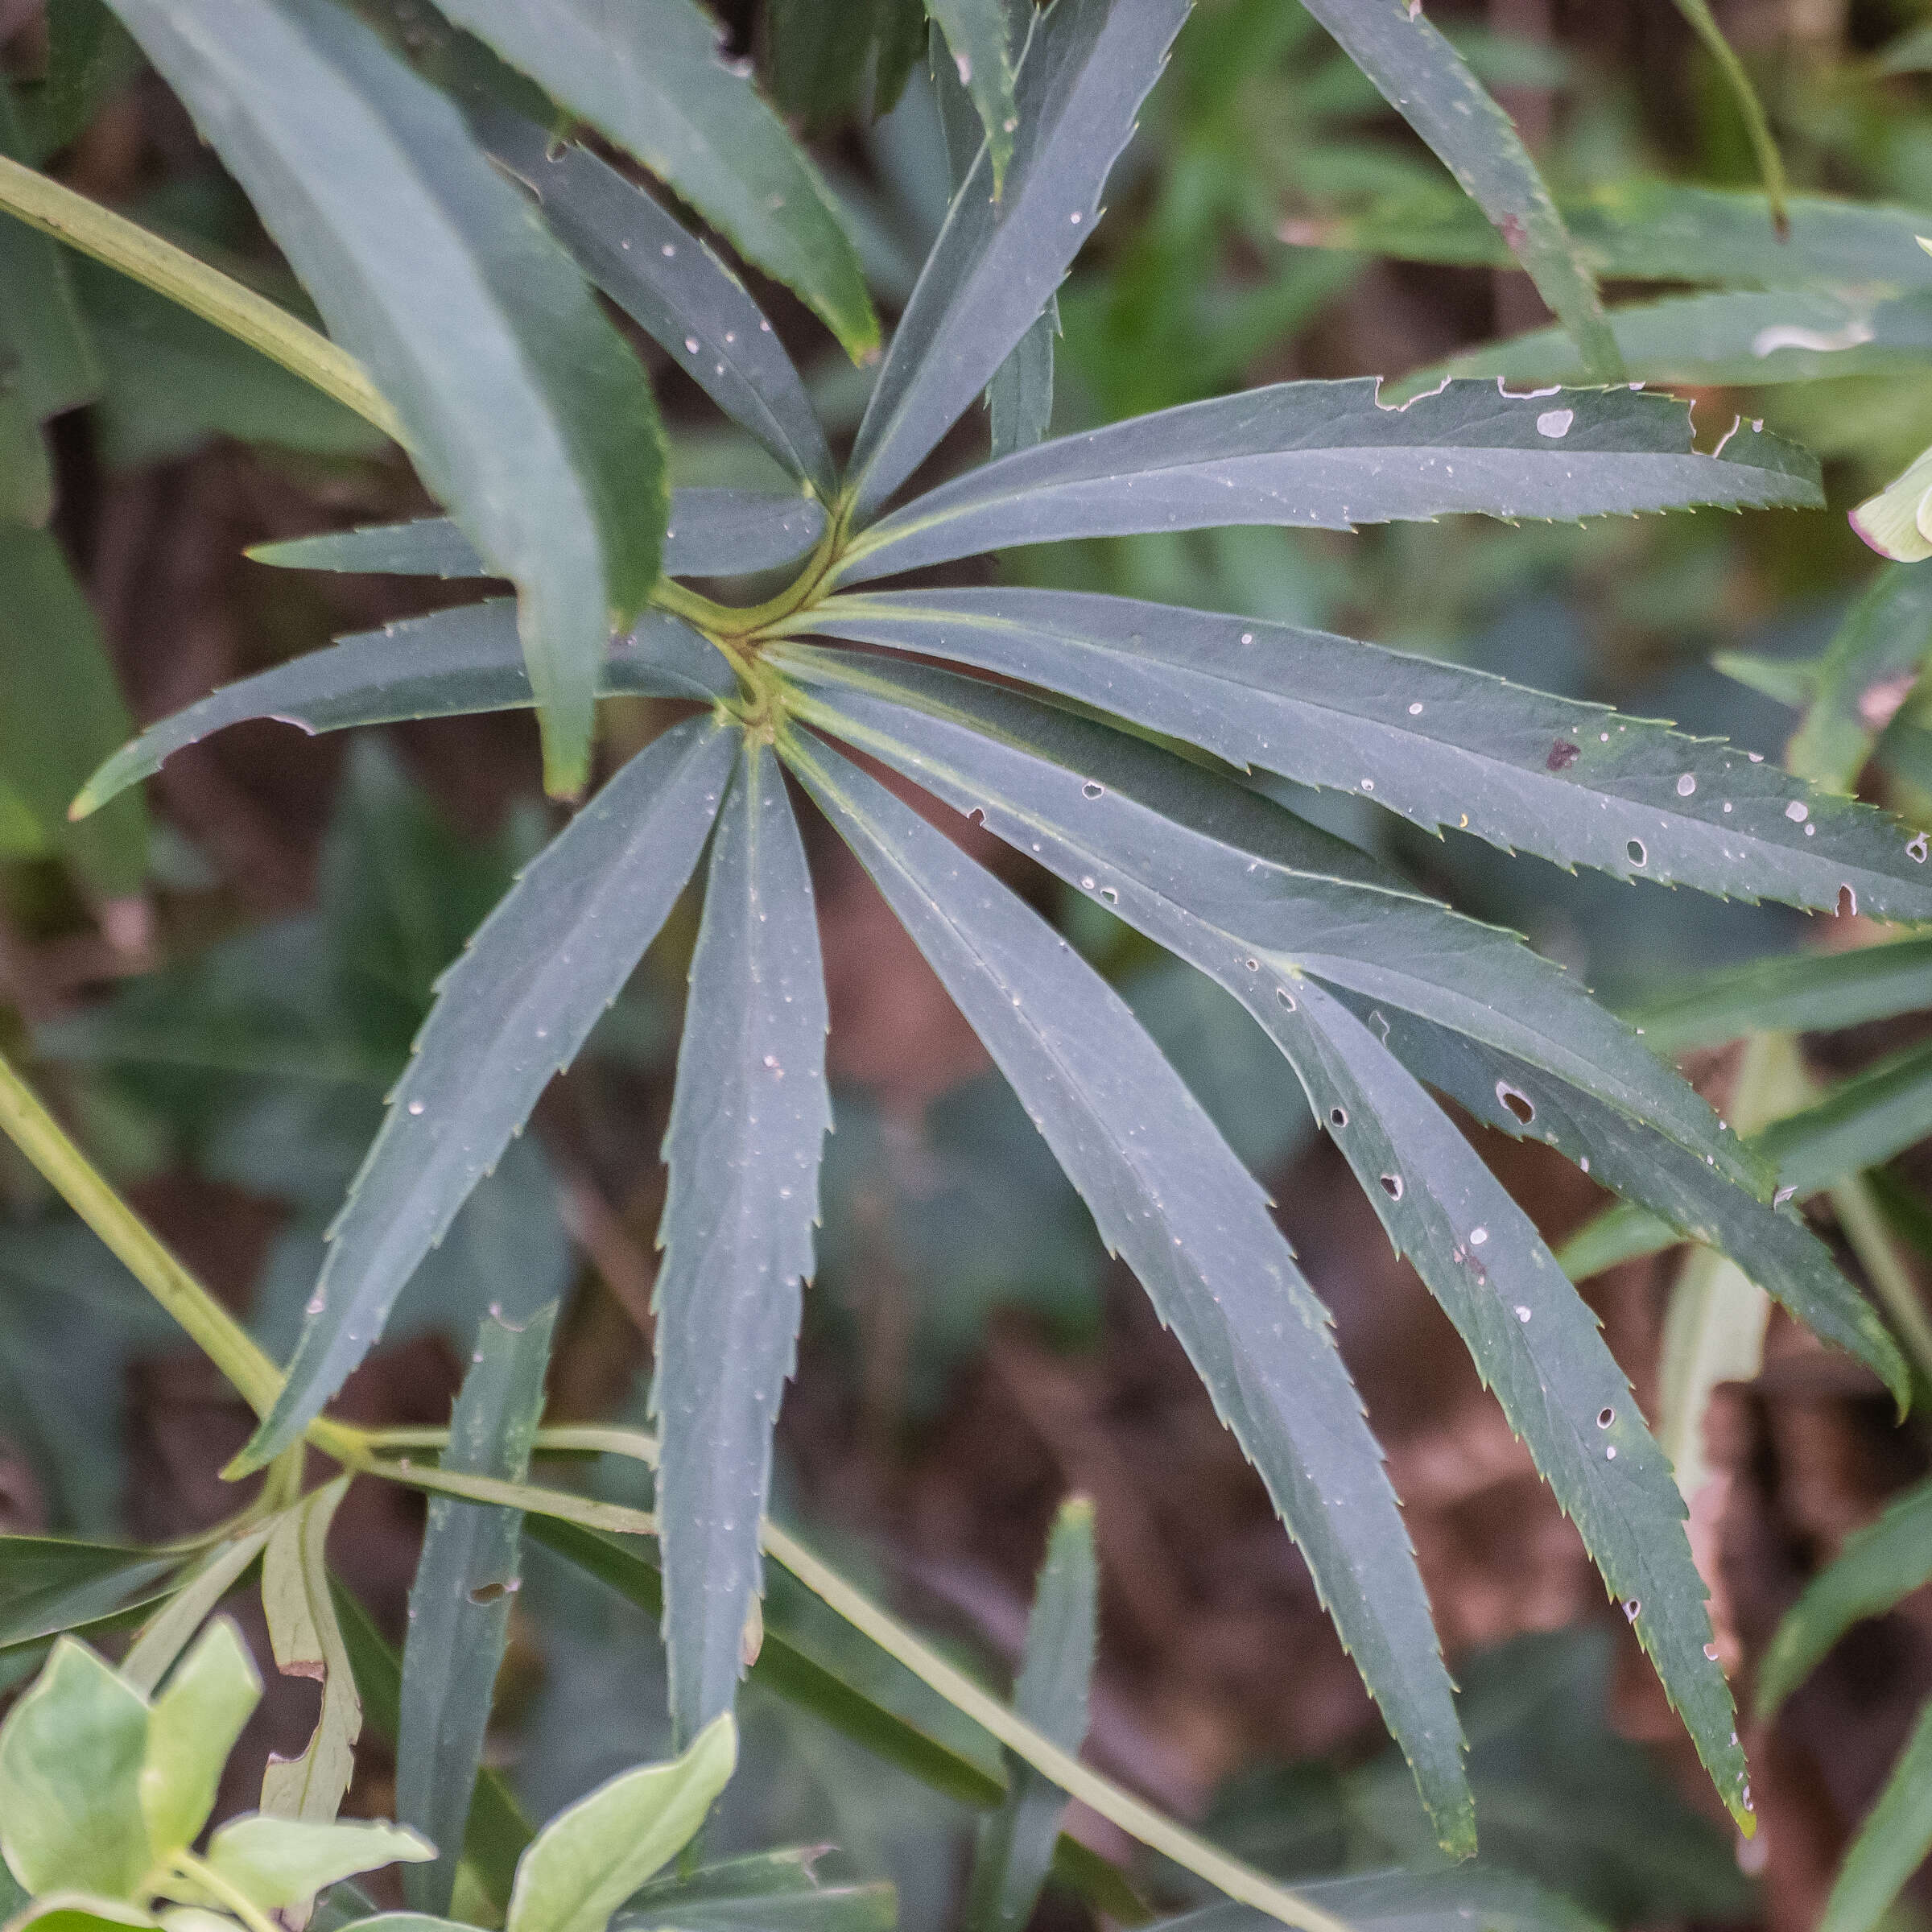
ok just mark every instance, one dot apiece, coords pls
pixel 1764 144
pixel 32 197
pixel 1864 1228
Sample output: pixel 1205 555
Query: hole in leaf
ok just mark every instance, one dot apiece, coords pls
pixel 1519 1104
pixel 1092 789
pixel 492 1593
pixel 1605 1416
pixel 1847 903
pixel 1632 1605
pixel 1286 997
pixel 1635 850
pixel 1392 1186
pixel 1338 1116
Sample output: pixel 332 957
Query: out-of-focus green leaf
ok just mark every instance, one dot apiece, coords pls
pixel 48 1583
pixel 511 1012
pixel 651 78
pixel 66 1911
pixel 1197 1234
pixel 747 1122
pixel 766 1892
pixel 997 263
pixel 1401 1902
pixel 468 659
pixel 1430 85
pixel 63 709
pixel 676 290
pixel 276 1862
pixel 1437 742
pixel 166 1634
pixel 194 1724
pixel 1014 1850
pixel 466 1581
pixel 975 33
pixel 71 1753
pixel 1770 163
pixel 525 412
pixel 1867 672
pixel 1892 1844
pixel 1879 1565
pixel 1794 991
pixel 589 1860
pixel 307 1642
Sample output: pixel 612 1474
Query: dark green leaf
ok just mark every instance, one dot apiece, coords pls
pixel 818 54
pixel 459 1605
pixel 525 411
pixel 767 1892
pixel 673 287
pixel 62 710
pixel 1892 1844
pixel 747 1122
pixel 1430 85
pixel 48 1583
pixel 997 263
pixel 1403 1902
pixel 498 1830
pixel 1015 1849
pixel 1330 456
pixel 1879 1565
pixel 1861 1122
pixel 1793 992
pixel 650 76
pixel 975 33
pixel 1437 742
pixel 468 659
pixel 1194 1227
pixel 713 533
pixel 514 1011
pixel 89 57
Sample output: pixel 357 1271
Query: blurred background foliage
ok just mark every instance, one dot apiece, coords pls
pixel 219 986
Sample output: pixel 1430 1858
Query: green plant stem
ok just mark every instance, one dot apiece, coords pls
pixel 232 1897
pixel 1139 1820
pixel 42 203
pixel 215 1332
pixel 1764 144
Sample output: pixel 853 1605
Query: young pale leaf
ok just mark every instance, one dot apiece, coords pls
pixel 498 1830
pixel 275 1862
pixel 1880 1565
pixel 1440 743
pixel 525 410
pixel 83 1912
pixel 1087 68
pixel 307 1642
pixel 975 32
pixel 451 662
pixel 747 1121
pixel 675 289
pixel 713 533
pixel 1897 522
pixel 50 1583
pixel 466 1581
pixel 1793 991
pixel 71 1752
pixel 1892 1844
pixel 195 1725
pixel 1685 1197
pixel 166 1634
pixel 1331 455
pixel 1015 1847
pixel 764 1892
pixel 650 76
pixel 514 1011
pixel 1430 85
pixel 1534 1342
pixel 1867 672
pixel 589 1859
pixel 1194 1227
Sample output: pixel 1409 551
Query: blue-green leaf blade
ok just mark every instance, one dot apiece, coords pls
pixel 1086 69
pixel 525 413
pixel 672 286
pixel 1567 780
pixel 1880 1565
pixel 762 1891
pixel 1330 456
pixel 1892 1844
pixel 1431 85
pixel 651 76
pixel 460 1604
pixel 748 1122
pixel 975 35
pixel 1195 1231
pixel 512 1011
pixel 50 1583
pixel 451 662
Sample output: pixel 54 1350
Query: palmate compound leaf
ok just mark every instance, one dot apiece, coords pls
pixel 1330 455
pixel 466 1583
pixel 1114 820
pixel 712 533
pixel 995 263
pixel 1430 85
pixel 1440 743
pixel 748 1122
pixel 514 1011
pixel 675 289
pixel 1172 1200
pixel 525 412
pixel 651 76
pixel 451 662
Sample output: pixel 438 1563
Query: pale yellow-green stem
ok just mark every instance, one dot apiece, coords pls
pixel 44 204
pixel 232 1897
